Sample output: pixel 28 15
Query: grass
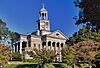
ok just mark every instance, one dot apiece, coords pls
pixel 22 66
pixel 11 66
pixel 55 65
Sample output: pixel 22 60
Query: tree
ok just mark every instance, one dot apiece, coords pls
pixel 5 54
pixel 89 13
pixel 98 56
pixel 4 31
pixel 84 34
pixel 68 55
pixel 16 56
pixel 86 51
pixel 43 56
pixel 6 34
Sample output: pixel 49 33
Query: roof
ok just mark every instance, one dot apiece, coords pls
pixel 61 35
pixel 43 10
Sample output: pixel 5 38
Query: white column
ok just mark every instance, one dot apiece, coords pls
pixel 60 57
pixel 17 47
pixel 51 46
pixel 21 47
pixel 56 49
pixel 27 44
pixel 40 45
pixel 14 48
pixel 47 45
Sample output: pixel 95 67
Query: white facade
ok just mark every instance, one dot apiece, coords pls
pixel 42 37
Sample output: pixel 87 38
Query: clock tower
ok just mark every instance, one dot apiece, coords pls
pixel 43 24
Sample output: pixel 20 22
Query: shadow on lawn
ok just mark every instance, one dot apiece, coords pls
pixel 27 66
pixel 34 66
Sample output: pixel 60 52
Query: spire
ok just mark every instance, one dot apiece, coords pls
pixel 42 5
pixel 43 8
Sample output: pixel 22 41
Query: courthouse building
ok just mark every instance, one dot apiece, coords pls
pixel 42 37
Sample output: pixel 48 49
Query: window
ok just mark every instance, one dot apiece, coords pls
pixel 38 25
pixel 49 43
pixel 29 44
pixel 34 45
pixel 53 44
pixel 42 14
pixel 61 44
pixel 47 23
pixel 57 34
pixel 57 44
pixel 24 44
pixel 45 14
pixel 42 26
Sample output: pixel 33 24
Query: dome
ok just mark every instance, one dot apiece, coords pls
pixel 43 9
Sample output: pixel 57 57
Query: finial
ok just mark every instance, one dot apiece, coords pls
pixel 42 5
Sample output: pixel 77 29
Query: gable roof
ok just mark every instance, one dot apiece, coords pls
pixel 58 34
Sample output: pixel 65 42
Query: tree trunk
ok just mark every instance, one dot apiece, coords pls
pixel 90 66
pixel 81 66
pixel 42 65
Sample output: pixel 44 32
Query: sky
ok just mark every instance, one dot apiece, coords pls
pixel 21 15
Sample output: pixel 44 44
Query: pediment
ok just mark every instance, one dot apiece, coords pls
pixel 58 34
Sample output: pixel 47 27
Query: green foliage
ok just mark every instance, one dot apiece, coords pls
pixel 89 13
pixel 83 34
pixel 98 56
pixel 6 34
pixel 30 60
pixel 22 66
pixel 87 44
pixel 68 55
pixel 43 55
pixel 13 36
pixel 16 56
pixel 11 66
pixel 4 31
pixel 49 66
pixel 63 65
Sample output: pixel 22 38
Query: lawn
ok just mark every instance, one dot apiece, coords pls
pixel 35 66
pixel 22 66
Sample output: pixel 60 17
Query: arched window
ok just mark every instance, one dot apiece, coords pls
pixel 34 45
pixel 46 23
pixel 24 44
pixel 45 14
pixel 49 43
pixel 42 14
pixel 58 44
pixel 43 44
pixel 53 44
pixel 61 44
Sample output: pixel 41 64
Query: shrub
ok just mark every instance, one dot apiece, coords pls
pixel 16 56
pixel 49 66
pixel 64 65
